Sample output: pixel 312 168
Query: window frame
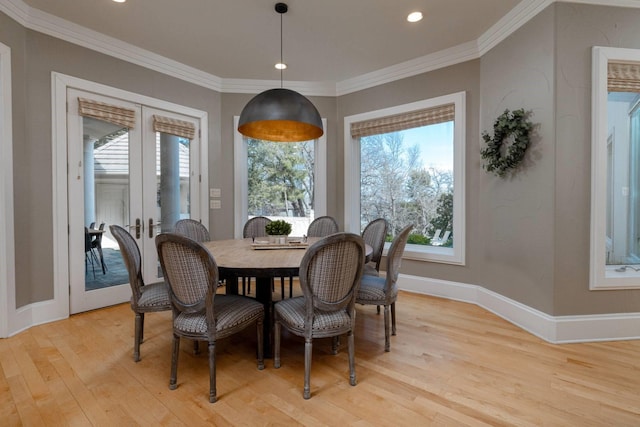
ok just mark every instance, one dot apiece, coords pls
pixel 454 255
pixel 601 275
pixel 241 190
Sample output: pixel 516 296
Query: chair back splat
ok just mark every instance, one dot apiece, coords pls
pixel 322 227
pixel 145 298
pixel 379 291
pixel 193 229
pixel 374 235
pixel 330 273
pixel 198 312
pixel 255 227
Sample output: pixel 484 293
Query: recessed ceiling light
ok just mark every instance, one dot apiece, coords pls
pixel 414 17
pixel 281 66
pixel 119 1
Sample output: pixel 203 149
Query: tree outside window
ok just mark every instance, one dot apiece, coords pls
pixel 406 177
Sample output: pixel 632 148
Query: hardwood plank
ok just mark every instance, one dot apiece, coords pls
pixel 450 364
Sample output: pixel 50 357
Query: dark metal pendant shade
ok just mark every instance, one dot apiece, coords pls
pixel 280 115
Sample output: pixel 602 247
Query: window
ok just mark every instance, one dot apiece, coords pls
pixel 615 180
pixel 280 181
pixel 406 164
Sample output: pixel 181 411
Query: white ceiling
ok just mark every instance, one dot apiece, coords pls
pixel 324 40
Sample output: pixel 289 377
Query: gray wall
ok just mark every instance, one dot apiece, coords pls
pixel 34 57
pixel 578 28
pixel 527 237
pixel 457 78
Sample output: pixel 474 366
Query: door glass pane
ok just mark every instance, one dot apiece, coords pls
pixel 623 179
pixel 106 201
pixel 173 180
pixel 280 182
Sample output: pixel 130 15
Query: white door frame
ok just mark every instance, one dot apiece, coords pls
pixel 60 83
pixel 7 249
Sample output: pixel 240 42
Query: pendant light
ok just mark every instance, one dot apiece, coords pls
pixel 280 115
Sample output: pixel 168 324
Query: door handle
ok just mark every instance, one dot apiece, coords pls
pixel 151 226
pixel 138 227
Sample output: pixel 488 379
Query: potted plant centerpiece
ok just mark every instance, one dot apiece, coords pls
pixel 278 231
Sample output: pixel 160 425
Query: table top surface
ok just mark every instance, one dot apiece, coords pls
pixel 239 254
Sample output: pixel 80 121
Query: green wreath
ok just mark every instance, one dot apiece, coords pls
pixel 513 126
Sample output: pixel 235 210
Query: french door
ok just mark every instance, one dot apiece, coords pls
pixel 130 165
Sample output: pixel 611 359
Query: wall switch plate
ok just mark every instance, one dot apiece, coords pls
pixel 215 204
pixel 215 192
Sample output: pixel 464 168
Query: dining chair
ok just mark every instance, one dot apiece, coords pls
pixel 192 229
pixel 254 227
pixel 198 312
pixel 330 273
pixel 322 227
pixel 145 298
pixel 374 235
pixel 383 291
pixel 96 244
pixel 89 255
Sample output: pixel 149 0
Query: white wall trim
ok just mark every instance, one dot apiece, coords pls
pixel 46 23
pixel 553 329
pixel 7 248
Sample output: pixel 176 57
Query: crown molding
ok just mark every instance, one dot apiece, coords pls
pixel 48 24
pixel 444 58
pixel 512 21
pixel 257 86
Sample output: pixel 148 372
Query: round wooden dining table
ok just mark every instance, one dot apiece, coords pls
pixel 245 258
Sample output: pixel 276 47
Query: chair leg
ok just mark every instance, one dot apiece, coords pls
pixel 141 328
pixel 104 266
pixel 308 350
pixel 335 342
pixel 276 344
pixel 137 338
pixel 387 341
pixel 212 372
pixel 377 309
pixel 352 359
pixel 393 318
pixel 260 327
pixel 173 380
pixel 196 347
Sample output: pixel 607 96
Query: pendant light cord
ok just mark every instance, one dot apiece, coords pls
pixel 281 61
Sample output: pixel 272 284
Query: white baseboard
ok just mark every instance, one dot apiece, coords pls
pixel 35 314
pixel 554 329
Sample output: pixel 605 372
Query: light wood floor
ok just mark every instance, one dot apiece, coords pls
pixel 450 364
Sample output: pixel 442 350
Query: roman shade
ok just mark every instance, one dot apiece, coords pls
pixel 175 127
pixel 404 121
pixel 121 116
pixel 623 77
